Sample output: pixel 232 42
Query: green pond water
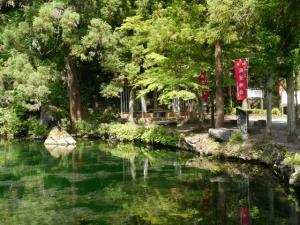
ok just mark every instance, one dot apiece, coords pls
pixel 97 183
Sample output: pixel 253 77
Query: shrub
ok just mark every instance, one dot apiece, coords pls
pixel 84 128
pixel 10 123
pixel 153 134
pixel 107 116
pixel 125 132
pixel 160 135
pixel 293 159
pixel 236 137
pixel 66 124
pixel 35 128
pixel 276 111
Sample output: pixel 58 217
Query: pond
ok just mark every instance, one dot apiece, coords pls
pixel 99 183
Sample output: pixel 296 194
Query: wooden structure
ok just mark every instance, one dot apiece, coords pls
pixel 147 108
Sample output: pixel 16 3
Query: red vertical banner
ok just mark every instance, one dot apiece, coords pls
pixel 203 80
pixel 241 74
pixel 280 87
pixel 245 217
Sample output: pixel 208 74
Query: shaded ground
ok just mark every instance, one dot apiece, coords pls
pixel 256 134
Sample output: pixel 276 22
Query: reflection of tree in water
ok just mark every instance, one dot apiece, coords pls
pixel 88 188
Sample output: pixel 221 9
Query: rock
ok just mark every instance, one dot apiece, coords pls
pixel 221 134
pixel 295 179
pixel 59 137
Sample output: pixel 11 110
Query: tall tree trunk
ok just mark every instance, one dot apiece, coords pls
pixel 269 105
pixel 291 122
pixel 131 115
pixel 219 85
pixel 212 110
pixel 73 88
pixel 296 97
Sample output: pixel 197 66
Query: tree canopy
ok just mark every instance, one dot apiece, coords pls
pixel 72 55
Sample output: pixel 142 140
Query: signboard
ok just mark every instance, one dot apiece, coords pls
pixel 203 80
pixel 241 74
pixel 255 93
pixel 284 100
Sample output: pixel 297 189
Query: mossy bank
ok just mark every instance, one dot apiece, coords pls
pixel 284 162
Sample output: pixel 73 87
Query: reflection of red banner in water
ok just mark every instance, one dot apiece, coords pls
pixel 203 80
pixel 245 217
pixel 241 73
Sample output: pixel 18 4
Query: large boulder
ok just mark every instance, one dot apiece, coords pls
pixel 221 134
pixel 59 137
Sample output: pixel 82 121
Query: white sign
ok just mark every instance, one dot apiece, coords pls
pixel 255 93
pixel 283 101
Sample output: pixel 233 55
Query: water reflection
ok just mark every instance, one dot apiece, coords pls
pixel 127 184
pixel 58 151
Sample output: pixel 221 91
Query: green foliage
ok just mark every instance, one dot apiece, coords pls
pixel 65 123
pixel 153 134
pixel 236 137
pixel 83 127
pixel 107 116
pixel 10 123
pixel 125 132
pixel 111 90
pixel 276 111
pixel 22 83
pixel 36 129
pixel 293 159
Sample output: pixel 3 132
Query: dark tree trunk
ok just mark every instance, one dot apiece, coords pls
pixel 291 122
pixel 219 122
pixel 73 88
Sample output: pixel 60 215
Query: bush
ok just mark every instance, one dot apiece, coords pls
pixel 125 132
pixel 65 124
pixel 10 123
pixel 236 137
pixel 292 159
pixel 230 110
pixel 155 134
pixel 276 111
pixel 84 128
pixel 35 128
pixel 108 116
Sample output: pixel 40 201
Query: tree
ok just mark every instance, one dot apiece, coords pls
pixel 63 34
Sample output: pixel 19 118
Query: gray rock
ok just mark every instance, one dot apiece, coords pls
pixel 59 137
pixel 221 134
pixel 295 179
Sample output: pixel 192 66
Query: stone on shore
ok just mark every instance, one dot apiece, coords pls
pixel 59 137
pixel 221 134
